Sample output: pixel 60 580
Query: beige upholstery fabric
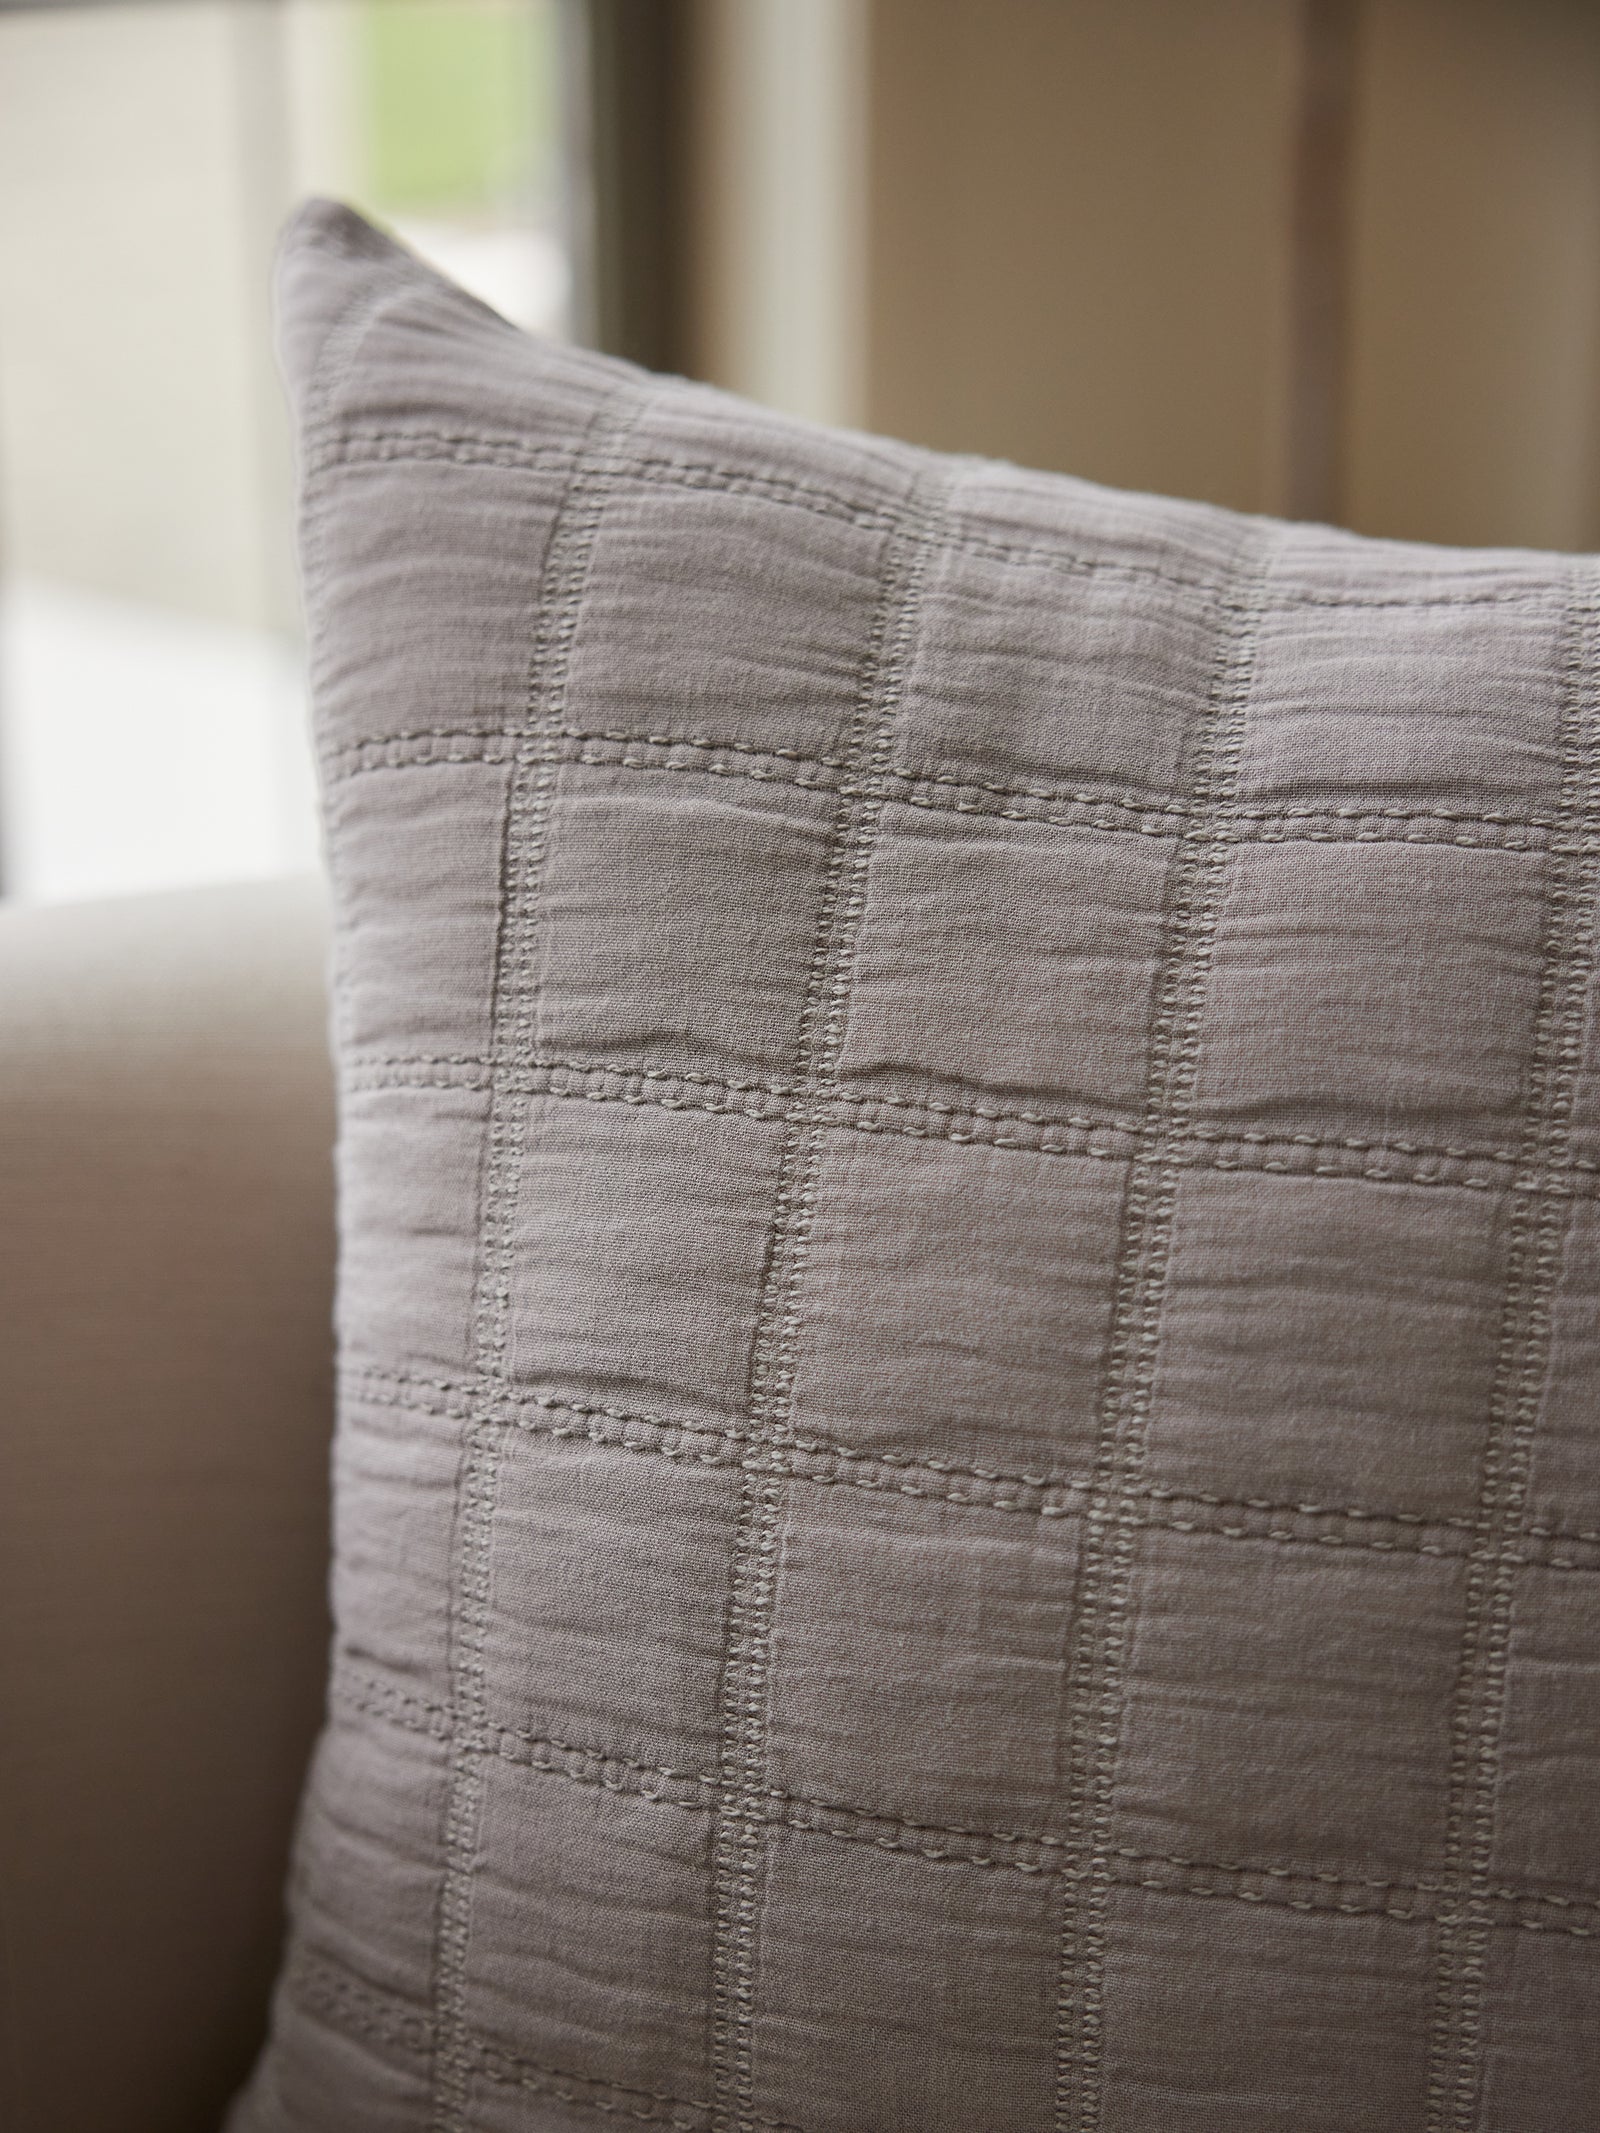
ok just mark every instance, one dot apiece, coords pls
pixel 968 1476
pixel 165 1404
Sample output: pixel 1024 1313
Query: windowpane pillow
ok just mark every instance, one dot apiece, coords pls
pixel 968 1483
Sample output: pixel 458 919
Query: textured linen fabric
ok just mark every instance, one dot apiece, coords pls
pixel 969 1468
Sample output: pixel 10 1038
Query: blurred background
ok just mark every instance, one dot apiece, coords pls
pixel 1335 259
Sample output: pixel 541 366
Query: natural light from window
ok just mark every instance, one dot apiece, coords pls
pixel 152 717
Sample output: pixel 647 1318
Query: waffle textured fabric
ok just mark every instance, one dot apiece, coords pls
pixel 968 1480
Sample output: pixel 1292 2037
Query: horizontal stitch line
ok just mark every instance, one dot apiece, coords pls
pixel 1113 814
pixel 888 515
pixel 384 1699
pixel 1101 816
pixel 787 1091
pixel 1047 1496
pixel 438 447
pixel 792 1091
pixel 500 2066
pixel 328 1987
pixel 840 1110
pixel 1022 1852
pixel 1179 810
pixel 1081 1136
pixel 1268 827
pixel 425 1715
pixel 357 2008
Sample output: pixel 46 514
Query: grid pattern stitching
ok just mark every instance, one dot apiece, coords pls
pixel 1534 1259
pixel 740 1840
pixel 328 1989
pixel 1300 1888
pixel 1194 902
pixel 938 792
pixel 328 450
pixel 1108 1138
pixel 825 1463
pixel 1092 1503
pixel 516 982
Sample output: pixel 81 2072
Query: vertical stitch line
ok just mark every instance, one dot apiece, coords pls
pixel 1095 1689
pixel 1534 1254
pixel 743 1817
pixel 514 1009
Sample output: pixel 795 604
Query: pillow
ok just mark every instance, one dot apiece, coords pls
pixel 968 1477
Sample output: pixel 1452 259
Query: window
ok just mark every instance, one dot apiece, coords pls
pixel 152 723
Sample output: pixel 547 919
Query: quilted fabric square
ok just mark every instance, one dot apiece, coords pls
pixel 968 1472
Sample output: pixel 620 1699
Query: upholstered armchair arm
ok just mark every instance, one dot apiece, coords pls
pixel 166 1268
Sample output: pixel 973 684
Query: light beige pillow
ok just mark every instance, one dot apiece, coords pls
pixel 969 1463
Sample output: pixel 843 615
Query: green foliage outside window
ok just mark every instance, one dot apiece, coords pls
pixel 458 99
